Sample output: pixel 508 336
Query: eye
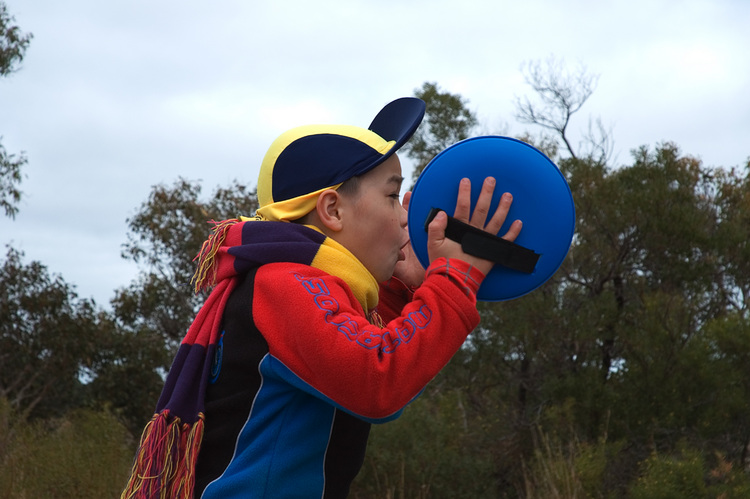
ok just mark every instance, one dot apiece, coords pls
pixel 395 196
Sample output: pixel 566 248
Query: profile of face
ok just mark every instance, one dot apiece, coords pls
pixel 370 222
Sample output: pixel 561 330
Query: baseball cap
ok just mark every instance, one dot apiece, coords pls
pixel 306 160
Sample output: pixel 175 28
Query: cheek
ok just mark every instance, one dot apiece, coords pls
pixel 391 224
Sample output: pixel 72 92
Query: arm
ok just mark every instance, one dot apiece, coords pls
pixel 393 295
pixel 330 349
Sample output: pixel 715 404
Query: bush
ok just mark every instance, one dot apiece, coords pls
pixel 84 455
pixel 671 477
pixel 429 452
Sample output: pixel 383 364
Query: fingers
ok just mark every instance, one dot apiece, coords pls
pixel 498 218
pixel 482 209
pixel 478 218
pixel 436 234
pixel 515 229
pixel 463 203
pixel 440 246
pixel 407 200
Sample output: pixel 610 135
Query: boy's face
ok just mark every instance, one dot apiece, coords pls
pixel 374 229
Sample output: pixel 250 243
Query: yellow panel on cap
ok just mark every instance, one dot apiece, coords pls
pixel 265 178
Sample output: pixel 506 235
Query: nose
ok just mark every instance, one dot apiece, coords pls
pixel 404 217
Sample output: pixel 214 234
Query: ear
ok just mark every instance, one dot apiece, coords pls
pixel 328 209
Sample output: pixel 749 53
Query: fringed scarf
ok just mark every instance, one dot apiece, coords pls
pixel 165 462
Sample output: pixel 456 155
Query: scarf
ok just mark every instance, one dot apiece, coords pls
pixel 164 465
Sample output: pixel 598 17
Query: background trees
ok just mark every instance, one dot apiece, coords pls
pixel 621 376
pixel 45 338
pixel 447 120
pixel 154 312
pixel 13 44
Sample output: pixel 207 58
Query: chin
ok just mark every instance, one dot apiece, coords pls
pixel 383 277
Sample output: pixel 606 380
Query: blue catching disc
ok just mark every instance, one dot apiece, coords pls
pixel 541 200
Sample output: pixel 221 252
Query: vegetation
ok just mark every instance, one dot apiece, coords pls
pixel 627 375
pixel 13 44
pixel 623 376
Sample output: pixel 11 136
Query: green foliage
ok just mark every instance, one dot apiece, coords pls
pixel 46 336
pixel 83 455
pixel 625 375
pixel 154 312
pixel 671 477
pixel 428 452
pixel 13 44
pixel 447 120
pixel 58 353
pixel 126 375
pixel 568 468
pixel 552 473
pixel 625 340
pixel 10 178
pixel 727 482
pixel 164 237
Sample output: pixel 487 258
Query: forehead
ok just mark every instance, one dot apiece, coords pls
pixel 386 173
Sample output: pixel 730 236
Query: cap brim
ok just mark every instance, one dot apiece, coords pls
pixel 541 200
pixel 398 121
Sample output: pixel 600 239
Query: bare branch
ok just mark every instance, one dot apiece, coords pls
pixel 561 94
pixel 600 142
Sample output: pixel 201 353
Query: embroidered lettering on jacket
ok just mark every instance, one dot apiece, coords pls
pixel 389 340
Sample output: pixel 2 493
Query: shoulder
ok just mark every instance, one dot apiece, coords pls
pixel 287 285
pixel 292 274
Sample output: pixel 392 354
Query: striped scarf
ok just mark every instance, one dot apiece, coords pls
pixel 165 462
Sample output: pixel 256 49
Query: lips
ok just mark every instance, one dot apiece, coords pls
pixel 402 252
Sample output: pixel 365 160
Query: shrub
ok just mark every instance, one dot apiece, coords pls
pixel 84 455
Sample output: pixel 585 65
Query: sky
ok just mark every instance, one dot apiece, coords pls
pixel 117 96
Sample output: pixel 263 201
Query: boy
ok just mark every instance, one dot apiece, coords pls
pixel 298 348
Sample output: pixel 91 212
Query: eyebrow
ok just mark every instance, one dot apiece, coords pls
pixel 395 179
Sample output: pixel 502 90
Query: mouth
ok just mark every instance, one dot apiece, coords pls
pixel 402 251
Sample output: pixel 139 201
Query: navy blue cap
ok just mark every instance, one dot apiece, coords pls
pixel 309 158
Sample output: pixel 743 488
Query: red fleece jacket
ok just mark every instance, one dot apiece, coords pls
pixel 370 371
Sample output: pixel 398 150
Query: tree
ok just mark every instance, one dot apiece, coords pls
pixel 13 44
pixel 47 337
pixel 155 311
pixel 124 373
pixel 447 120
pixel 165 235
pixel 561 94
pixel 10 178
pixel 638 346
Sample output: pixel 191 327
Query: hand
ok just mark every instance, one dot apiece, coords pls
pixel 440 246
pixel 410 270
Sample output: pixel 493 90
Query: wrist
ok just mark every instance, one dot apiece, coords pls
pixel 461 272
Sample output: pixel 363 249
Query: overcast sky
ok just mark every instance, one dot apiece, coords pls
pixel 117 96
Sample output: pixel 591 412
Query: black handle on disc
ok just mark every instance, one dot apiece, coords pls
pixel 487 246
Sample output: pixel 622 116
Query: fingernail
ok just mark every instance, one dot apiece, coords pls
pixel 490 181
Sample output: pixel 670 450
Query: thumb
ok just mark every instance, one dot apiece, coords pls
pixel 436 234
pixel 407 200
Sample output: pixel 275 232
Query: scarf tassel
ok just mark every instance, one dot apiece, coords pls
pixel 205 274
pixel 165 463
